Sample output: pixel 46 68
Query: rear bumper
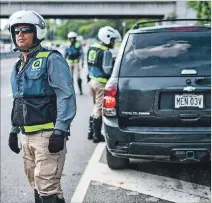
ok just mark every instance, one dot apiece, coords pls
pixel 157 143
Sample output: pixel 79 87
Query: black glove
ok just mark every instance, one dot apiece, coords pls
pixel 56 141
pixel 13 142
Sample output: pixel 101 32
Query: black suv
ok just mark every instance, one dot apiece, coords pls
pixel 157 103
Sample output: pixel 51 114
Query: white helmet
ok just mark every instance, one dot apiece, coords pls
pixel 28 17
pixel 106 33
pixel 72 35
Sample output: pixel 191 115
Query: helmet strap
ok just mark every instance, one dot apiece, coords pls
pixel 107 45
pixel 110 46
pixel 27 49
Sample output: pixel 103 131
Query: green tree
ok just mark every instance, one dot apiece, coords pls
pixel 202 8
pixel 88 28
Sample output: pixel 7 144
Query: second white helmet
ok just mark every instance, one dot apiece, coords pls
pixel 72 35
pixel 28 17
pixel 106 33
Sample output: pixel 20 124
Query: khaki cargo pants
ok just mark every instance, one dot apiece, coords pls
pixel 75 67
pixel 43 169
pixel 97 92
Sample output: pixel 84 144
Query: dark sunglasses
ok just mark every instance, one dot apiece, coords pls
pixel 24 30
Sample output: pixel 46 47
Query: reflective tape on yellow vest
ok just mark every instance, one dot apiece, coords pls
pixel 43 54
pixel 34 128
pixel 99 79
pixel 100 46
pixel 70 61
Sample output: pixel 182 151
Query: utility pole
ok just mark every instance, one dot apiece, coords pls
pixel 123 28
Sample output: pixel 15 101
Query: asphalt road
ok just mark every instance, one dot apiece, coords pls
pixel 103 185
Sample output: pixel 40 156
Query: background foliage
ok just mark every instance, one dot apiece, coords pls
pixel 202 8
pixel 88 28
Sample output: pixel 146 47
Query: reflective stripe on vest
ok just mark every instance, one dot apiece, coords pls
pixel 99 79
pixel 100 46
pixel 34 128
pixel 43 54
pixel 70 61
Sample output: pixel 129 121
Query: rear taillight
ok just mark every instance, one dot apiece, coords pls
pixel 110 91
pixel 109 108
pixel 109 102
pixel 184 28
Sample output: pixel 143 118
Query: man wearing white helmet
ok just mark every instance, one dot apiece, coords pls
pixel 43 108
pixel 73 54
pixel 100 65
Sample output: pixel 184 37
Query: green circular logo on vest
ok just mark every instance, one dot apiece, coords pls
pixel 37 64
pixel 92 55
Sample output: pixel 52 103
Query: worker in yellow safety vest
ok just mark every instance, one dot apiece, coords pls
pixel 100 66
pixel 73 54
pixel 44 106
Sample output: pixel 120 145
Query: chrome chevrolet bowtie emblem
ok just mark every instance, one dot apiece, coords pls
pixel 189 88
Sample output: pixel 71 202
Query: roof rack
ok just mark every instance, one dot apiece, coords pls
pixel 137 25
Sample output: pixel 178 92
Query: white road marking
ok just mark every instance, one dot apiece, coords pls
pixel 157 186
pixel 154 185
pixel 85 180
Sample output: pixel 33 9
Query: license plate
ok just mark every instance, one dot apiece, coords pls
pixel 188 100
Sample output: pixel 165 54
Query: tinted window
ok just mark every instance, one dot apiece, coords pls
pixel 167 53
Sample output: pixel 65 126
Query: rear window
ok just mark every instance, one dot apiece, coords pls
pixel 166 53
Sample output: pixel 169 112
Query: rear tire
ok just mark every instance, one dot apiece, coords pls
pixel 115 162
